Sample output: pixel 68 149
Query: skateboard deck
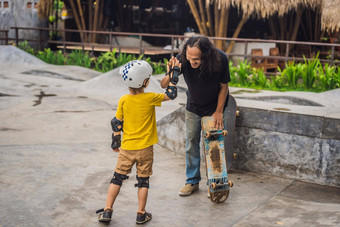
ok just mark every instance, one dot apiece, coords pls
pixel 229 140
pixel 215 160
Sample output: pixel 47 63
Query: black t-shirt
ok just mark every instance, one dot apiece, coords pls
pixel 202 93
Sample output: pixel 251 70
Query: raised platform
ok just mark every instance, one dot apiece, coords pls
pixel 288 134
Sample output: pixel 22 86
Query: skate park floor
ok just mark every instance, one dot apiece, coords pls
pixel 56 162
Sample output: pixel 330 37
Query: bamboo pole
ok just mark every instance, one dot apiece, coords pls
pixel 210 20
pixel 196 16
pixel 225 27
pixel 296 24
pixel 203 18
pixel 216 19
pixel 219 43
pixel 76 17
pixel 90 19
pixel 95 22
pixel 101 17
pixel 237 32
pixel 82 19
pixel 272 27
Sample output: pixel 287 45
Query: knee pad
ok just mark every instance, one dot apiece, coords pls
pixel 118 178
pixel 143 182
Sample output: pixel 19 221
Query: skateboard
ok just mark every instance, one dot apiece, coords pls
pixel 232 113
pixel 215 160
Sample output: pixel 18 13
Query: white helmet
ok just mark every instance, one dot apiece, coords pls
pixel 135 72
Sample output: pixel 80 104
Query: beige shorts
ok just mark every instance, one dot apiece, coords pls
pixel 143 159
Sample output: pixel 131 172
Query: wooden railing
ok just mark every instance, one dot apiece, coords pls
pixel 141 49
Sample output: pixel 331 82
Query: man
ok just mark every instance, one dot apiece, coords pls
pixel 206 73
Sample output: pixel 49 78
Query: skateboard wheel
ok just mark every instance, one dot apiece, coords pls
pixel 207 134
pixel 230 183
pixel 237 113
pixel 225 132
pixel 213 185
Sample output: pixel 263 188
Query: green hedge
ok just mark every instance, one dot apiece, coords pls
pixel 310 75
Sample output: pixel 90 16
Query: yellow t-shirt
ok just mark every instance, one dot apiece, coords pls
pixel 139 117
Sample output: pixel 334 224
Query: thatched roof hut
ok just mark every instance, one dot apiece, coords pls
pixel 330 13
pixel 330 18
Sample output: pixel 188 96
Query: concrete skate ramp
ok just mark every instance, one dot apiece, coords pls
pixel 109 87
pixel 10 55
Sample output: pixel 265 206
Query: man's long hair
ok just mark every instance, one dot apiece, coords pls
pixel 210 57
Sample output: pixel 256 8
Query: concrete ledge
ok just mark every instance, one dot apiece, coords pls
pixel 286 144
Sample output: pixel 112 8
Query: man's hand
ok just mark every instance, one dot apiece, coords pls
pixel 218 120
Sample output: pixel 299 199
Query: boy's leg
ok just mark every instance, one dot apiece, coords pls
pixel 112 195
pixel 142 199
pixel 144 171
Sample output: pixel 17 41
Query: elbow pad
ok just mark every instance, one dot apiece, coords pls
pixel 171 92
pixel 116 125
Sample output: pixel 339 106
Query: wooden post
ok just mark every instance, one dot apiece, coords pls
pixel 287 53
pixel 16 36
pixel 40 39
pixel 246 50
pixel 332 56
pixel 6 37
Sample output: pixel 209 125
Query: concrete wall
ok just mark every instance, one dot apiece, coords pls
pixel 18 14
pixel 291 145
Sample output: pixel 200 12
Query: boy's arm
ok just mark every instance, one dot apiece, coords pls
pixel 117 127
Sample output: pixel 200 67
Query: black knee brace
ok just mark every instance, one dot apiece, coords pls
pixel 143 182
pixel 118 179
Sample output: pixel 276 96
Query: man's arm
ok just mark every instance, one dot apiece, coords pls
pixel 169 82
pixel 222 97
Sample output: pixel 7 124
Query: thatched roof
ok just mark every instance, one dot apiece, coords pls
pixel 330 18
pixel 266 8
pixel 330 13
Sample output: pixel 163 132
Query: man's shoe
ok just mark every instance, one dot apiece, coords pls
pixel 143 218
pixel 105 216
pixel 188 189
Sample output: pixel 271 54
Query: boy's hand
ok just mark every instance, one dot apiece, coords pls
pixel 116 150
pixel 116 140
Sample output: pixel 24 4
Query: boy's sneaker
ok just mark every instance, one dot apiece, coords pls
pixel 143 218
pixel 105 216
pixel 188 189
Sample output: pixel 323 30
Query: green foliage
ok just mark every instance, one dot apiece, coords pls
pixel 160 67
pixel 56 58
pixel 80 58
pixel 24 46
pixel 326 79
pixel 309 75
pixel 259 79
pixel 233 74
pixel 243 70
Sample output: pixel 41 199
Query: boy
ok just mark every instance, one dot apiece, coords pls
pixel 137 111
